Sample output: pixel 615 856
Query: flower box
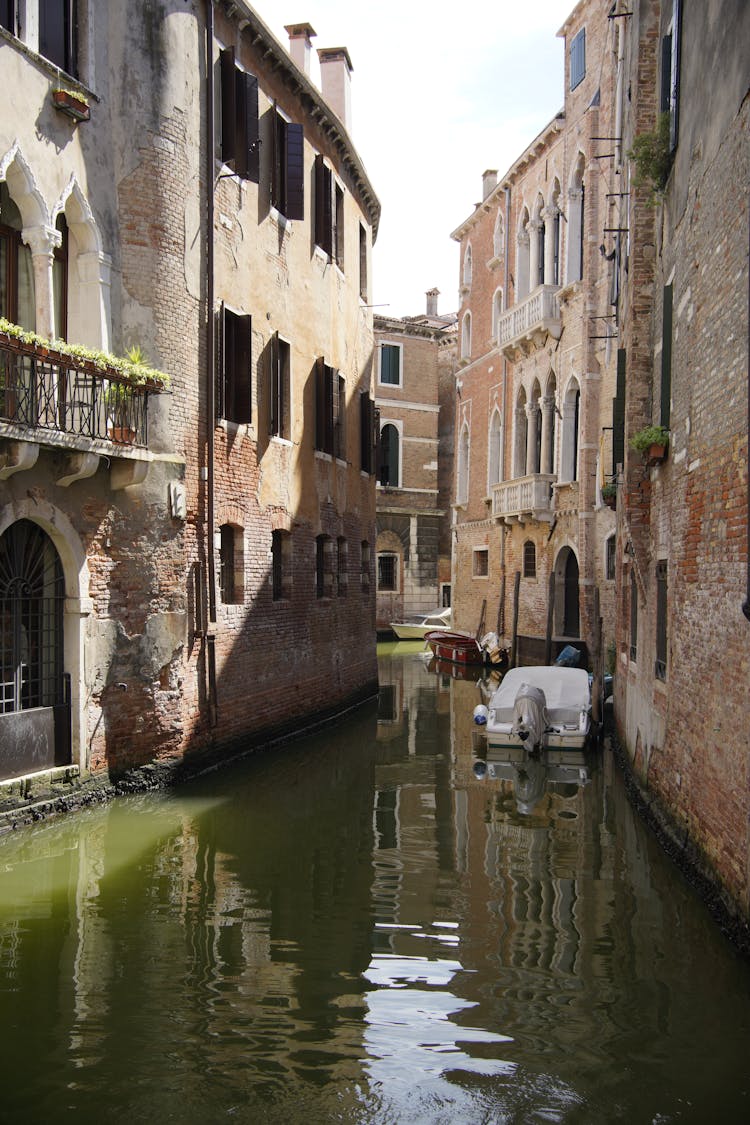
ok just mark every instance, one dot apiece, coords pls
pixel 73 105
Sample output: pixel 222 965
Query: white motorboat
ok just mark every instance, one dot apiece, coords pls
pixel 417 627
pixel 539 708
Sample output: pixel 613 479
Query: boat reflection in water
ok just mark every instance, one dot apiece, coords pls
pixel 531 774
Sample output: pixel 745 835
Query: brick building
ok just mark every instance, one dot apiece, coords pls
pixel 682 676
pixel 414 397
pixel 205 575
pixel 534 544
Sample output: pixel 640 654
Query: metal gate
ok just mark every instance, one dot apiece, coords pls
pixel 34 691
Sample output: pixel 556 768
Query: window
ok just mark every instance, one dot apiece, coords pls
pixel 670 74
pixel 60 280
pixel 369 421
pixel 497 312
pixel 466 336
pixel 330 410
pixel 362 262
pixel 389 372
pixel 8 15
pixel 281 565
pixel 570 432
pixel 57 33
pixel 633 617
pixel 480 562
pixel 529 559
pixel 17 302
pixel 287 183
pixel 609 558
pixel 342 566
pixel 462 475
pixel 240 141
pixel 329 213
pixel 390 456
pixel 388 572
pixel 495 449
pixel 364 566
pixel 323 567
pixel 578 59
pixel 445 595
pixel 660 667
pixel 498 238
pixel 234 398
pixel 467 267
pixel 231 577
pixel 280 425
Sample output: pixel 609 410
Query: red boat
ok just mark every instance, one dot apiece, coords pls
pixel 459 648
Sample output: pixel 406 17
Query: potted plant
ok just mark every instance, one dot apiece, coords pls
pixel 119 397
pixel 73 105
pixel 652 157
pixel 652 442
pixel 609 494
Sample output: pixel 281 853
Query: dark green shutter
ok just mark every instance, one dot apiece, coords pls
pixel 295 172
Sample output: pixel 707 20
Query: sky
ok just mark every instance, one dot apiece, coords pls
pixel 440 92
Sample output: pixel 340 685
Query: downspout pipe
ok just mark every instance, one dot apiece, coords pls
pixel 746 603
pixel 210 335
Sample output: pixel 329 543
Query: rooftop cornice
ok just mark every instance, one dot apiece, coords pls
pixel 278 58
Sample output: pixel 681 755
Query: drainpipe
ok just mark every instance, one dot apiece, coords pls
pixel 746 603
pixel 210 358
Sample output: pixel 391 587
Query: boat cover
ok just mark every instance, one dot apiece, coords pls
pixel 566 691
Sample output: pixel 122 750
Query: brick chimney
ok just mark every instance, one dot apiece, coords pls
pixel 336 83
pixel 432 301
pixel 489 182
pixel 300 47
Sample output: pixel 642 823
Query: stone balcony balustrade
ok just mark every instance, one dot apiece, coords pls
pixel 527 324
pixel 524 499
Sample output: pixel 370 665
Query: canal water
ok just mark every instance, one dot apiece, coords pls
pixel 356 928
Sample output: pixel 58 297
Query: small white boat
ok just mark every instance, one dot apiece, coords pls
pixel 539 709
pixel 417 627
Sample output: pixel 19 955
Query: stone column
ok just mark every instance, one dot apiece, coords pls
pixel 548 433
pixel 42 241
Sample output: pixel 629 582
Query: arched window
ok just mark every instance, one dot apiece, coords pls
pixel 17 302
pixel 529 559
pixel 60 280
pixel 467 267
pixel 390 456
pixel 575 228
pixel 570 432
pixel 498 237
pixel 497 311
pixel 466 336
pixel 462 478
pixel 536 248
pixel 522 257
pixel 520 434
pixel 534 432
pixel 32 594
pixel 494 458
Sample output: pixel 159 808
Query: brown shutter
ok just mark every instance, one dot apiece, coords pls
pixel 323 205
pixel 243 369
pixel 228 106
pixel 295 172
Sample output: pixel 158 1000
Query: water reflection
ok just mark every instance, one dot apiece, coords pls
pixel 358 928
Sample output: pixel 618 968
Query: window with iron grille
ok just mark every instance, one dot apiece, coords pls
pixel 481 563
pixel 364 566
pixel 660 667
pixel 529 559
pixel 388 572
pixel 342 566
pixel 32 597
pixel 229 554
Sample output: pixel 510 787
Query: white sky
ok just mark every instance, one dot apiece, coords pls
pixel 441 91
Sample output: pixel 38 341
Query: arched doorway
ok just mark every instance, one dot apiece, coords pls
pixel 567 596
pixel 34 693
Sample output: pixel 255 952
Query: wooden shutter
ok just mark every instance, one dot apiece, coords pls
pixel 243 369
pixel 339 414
pixel 319 404
pixel 323 206
pixel 278 129
pixel 247 156
pixel 228 105
pixel 618 413
pixel 295 172
pixel 221 378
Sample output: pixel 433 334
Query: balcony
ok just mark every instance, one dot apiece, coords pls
pixel 524 499
pixel 527 325
pixel 49 399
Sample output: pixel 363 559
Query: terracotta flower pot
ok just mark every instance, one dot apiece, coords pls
pixel 71 105
pixel 656 454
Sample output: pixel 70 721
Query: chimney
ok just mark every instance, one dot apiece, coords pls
pixel 432 296
pixel 489 182
pixel 336 83
pixel 300 47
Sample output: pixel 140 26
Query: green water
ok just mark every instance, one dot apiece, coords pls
pixel 356 929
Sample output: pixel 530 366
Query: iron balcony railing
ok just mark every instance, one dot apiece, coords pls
pixel 539 313
pixel 529 496
pixel 51 393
